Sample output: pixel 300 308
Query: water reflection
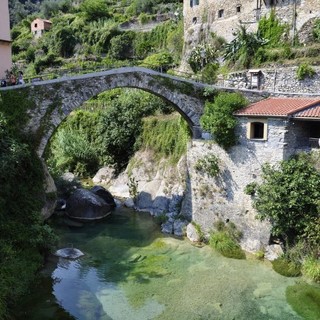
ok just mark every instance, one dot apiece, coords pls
pixel 131 271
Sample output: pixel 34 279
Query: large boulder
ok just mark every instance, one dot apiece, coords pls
pixel 104 175
pixel 104 194
pixel 85 205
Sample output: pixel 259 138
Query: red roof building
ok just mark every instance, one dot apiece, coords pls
pixel 292 122
pixel 284 107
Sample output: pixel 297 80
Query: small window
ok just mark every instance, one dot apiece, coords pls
pixel 194 20
pixel 220 13
pixel 257 130
pixel 36 25
pixel 238 9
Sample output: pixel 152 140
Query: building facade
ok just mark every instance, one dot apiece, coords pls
pixel 5 39
pixel 39 26
pixel 224 17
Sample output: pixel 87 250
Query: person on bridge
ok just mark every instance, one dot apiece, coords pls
pixel 13 79
pixel 20 78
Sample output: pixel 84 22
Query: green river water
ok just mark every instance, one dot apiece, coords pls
pixel 131 271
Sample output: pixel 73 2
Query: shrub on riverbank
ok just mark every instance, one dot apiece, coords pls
pixel 286 267
pixel 311 269
pixel 225 240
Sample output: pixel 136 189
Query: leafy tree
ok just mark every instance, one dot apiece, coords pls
pixel 88 140
pixel 121 46
pixel 24 236
pixel 218 118
pixel 289 198
pixel 51 8
pixel 94 9
pixel 161 61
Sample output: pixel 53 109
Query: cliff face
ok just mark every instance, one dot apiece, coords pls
pixel 181 192
pixel 209 199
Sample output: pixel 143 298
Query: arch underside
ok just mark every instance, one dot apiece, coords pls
pixel 73 94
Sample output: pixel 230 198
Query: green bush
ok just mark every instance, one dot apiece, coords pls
pixel 311 269
pixel 209 73
pixel 225 240
pixel 305 71
pixel 271 29
pixel 161 61
pixel 305 300
pixel 202 55
pixel 316 30
pixel 223 243
pixel 208 164
pixel 218 118
pixel 288 197
pixel 250 189
pixel 286 267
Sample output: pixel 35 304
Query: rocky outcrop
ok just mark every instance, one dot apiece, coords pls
pixel 159 188
pixel 222 198
pixel 85 205
pixel 104 176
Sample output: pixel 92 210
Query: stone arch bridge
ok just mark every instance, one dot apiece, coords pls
pixel 53 100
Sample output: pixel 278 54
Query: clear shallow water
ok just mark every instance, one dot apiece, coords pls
pixel 131 271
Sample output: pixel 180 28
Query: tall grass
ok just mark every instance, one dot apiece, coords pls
pixel 166 135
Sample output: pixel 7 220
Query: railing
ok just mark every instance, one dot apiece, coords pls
pixel 61 72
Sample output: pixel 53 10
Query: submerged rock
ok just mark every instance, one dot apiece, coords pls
pixel 69 253
pixel 85 205
pixel 104 194
pixel 167 227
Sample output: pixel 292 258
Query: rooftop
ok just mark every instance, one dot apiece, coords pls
pixel 283 107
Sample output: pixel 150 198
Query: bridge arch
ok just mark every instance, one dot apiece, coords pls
pixel 56 99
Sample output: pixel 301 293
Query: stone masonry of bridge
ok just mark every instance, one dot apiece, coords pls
pixel 55 99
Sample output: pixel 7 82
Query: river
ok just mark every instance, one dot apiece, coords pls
pixel 131 271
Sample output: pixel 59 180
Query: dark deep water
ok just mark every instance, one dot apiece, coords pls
pixel 132 271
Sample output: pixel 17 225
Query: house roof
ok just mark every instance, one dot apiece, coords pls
pixel 44 20
pixel 283 107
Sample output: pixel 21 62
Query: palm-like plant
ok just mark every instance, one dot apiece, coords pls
pixel 242 48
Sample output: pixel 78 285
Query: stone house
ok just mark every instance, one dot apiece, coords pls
pixel 224 17
pixel 39 26
pixel 5 39
pixel 280 127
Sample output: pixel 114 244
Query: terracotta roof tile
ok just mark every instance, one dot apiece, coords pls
pixel 283 107
pixel 312 112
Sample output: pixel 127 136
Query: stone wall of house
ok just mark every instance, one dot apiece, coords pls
pixel 274 80
pixel 222 198
pixel 297 138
